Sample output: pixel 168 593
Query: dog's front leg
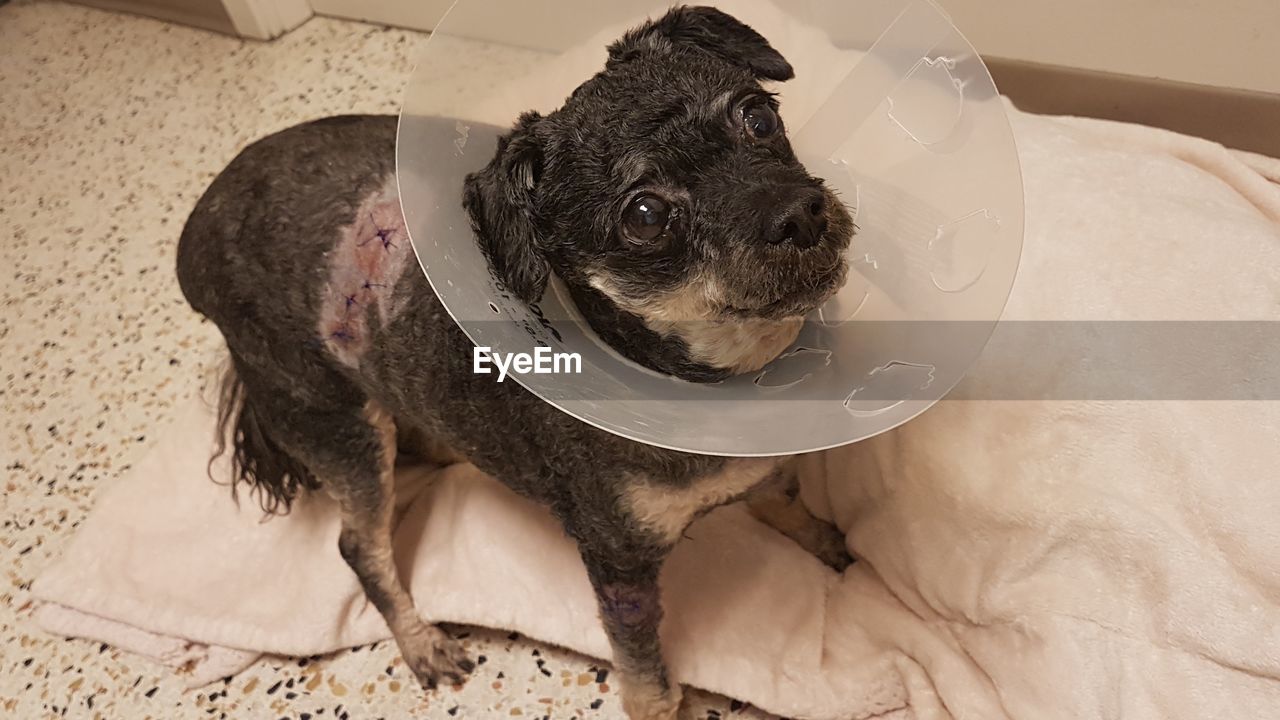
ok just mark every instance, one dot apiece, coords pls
pixel 776 502
pixel 625 578
pixel 624 550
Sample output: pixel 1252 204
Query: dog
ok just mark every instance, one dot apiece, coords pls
pixel 666 197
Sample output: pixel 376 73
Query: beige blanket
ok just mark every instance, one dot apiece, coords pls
pixel 1018 559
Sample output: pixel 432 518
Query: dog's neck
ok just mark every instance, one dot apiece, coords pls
pixel 627 333
pixel 700 351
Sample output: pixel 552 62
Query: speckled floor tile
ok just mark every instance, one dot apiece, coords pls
pixel 111 126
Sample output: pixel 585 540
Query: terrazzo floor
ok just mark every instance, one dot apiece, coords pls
pixel 110 128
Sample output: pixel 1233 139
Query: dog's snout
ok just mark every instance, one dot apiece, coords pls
pixel 802 220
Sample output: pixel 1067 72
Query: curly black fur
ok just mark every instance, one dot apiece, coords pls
pixel 273 476
pixel 666 120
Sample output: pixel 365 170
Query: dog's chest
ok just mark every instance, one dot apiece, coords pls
pixel 368 258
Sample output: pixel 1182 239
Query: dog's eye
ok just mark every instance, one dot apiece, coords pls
pixel 761 121
pixel 646 218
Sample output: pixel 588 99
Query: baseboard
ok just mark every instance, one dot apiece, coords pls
pixel 1239 119
pixel 421 15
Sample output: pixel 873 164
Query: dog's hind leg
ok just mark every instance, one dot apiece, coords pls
pixel 365 543
pixel 352 452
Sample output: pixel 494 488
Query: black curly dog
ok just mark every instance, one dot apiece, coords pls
pixel 664 193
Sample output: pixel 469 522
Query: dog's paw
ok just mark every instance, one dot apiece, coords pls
pixel 432 655
pixel 643 700
pixel 835 555
pixel 826 542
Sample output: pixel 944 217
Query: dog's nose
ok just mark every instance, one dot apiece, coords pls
pixel 802 221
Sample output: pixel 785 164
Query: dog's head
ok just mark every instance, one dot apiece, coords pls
pixel 666 187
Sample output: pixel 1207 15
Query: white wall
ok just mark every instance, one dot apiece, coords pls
pixel 258 19
pixel 1228 43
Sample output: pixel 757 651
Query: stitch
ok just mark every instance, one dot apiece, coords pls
pixel 362 275
pixel 629 605
pixel 380 234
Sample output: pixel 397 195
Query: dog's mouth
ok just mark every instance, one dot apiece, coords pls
pixel 817 289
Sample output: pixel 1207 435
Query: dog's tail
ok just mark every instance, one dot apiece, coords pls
pixel 274 476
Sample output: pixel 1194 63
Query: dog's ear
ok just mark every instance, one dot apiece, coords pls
pixel 500 201
pixel 710 30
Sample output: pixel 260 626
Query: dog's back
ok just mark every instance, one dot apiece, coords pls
pixel 248 260
pixel 272 214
